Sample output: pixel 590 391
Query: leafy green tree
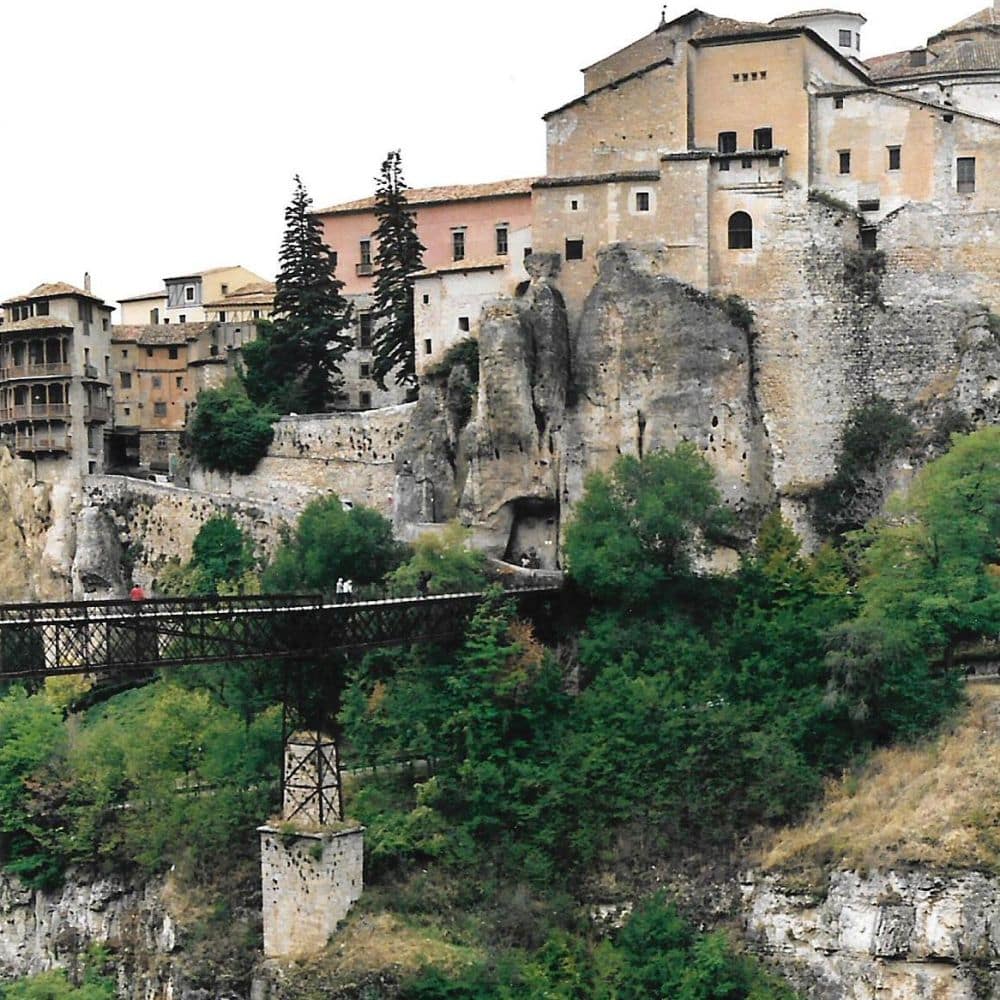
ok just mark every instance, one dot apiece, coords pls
pixel 228 431
pixel 638 528
pixel 332 541
pixel 297 363
pixel 398 256
pixel 55 985
pixel 222 559
pixel 444 561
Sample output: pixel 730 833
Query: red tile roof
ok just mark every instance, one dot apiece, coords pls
pixel 439 195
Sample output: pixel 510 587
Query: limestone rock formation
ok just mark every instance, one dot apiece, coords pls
pixel 98 563
pixel 897 935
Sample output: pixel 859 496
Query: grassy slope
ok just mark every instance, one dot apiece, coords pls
pixel 935 804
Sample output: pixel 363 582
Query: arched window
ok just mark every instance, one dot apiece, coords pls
pixel 740 231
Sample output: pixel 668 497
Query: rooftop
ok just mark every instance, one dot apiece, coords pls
pixel 819 12
pixel 441 195
pixel 55 290
pixel 36 323
pixel 483 264
pixel 160 294
pixel 162 334
pixel 978 54
pixel 257 293
pixel 189 275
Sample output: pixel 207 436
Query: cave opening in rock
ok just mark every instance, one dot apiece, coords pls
pixel 534 534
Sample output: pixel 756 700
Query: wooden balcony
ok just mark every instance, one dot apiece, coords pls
pixel 35 411
pixel 96 414
pixel 31 444
pixel 59 369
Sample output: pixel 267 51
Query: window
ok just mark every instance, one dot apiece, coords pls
pixel 428 349
pixel 966 174
pixel 746 163
pixel 154 317
pixel 869 204
pixel 458 244
pixel 333 259
pixel 172 353
pixel 365 369
pixel 41 308
pixel 256 314
pixel 225 289
pixel 763 138
pixel 427 300
pixel 149 352
pixel 124 352
pixel 157 382
pixel 895 157
pixel 869 238
pixel 189 293
pixel 222 315
pixel 838 103
pixel 126 380
pixel 501 240
pixel 740 231
pixel 642 201
pixel 161 442
pixel 527 252
pixel 365 331
pixel 87 312
pixel 736 78
pixel 846 37
pixel 574 205
pixel 365 400
pixel 857 40
pixel 844 159
pixel 727 142
pixel 159 409
pixel 182 318
pixel 128 411
pixel 723 164
pixel 179 381
pixel 166 320
pixel 463 323
pixel 574 249
pixel 364 257
pixel 763 74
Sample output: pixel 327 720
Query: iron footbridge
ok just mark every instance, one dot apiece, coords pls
pixel 83 637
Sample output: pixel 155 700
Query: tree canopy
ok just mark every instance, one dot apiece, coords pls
pixel 295 365
pixel 228 431
pixel 399 254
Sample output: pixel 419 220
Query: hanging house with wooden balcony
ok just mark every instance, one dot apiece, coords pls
pixel 55 364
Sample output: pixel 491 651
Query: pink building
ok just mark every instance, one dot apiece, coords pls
pixel 484 226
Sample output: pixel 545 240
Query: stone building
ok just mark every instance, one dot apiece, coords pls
pixel 55 369
pixel 698 138
pixel 475 237
pixel 246 304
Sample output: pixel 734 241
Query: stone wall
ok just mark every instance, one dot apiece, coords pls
pixel 156 523
pixel 349 454
pixel 898 935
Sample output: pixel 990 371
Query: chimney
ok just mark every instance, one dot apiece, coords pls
pixel 86 281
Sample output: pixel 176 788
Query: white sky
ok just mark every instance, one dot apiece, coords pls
pixel 143 139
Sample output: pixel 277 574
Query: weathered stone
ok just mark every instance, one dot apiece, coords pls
pixel 97 562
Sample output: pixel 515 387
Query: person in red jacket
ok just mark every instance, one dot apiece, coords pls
pixel 136 593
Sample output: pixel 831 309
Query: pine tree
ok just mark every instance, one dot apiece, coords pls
pixel 297 363
pixel 399 255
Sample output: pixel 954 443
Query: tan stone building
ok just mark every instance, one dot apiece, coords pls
pixel 55 369
pixel 699 139
pixel 246 304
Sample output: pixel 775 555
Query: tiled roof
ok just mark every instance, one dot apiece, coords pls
pixel 162 334
pixel 721 27
pixel 37 323
pixel 819 12
pixel 981 53
pixel 986 18
pixel 53 290
pixel 438 195
pixel 482 264
pixel 202 274
pixel 257 293
pixel 160 294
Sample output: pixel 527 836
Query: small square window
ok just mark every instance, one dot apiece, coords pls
pixel 763 138
pixel 723 164
pixel 753 76
pixel 844 161
pixel 895 157
pixel 501 240
pixel 225 288
pixel 966 174
pixel 222 315
pixel 124 352
pixel 428 349
pixel 838 103
pixel 159 409
pixel 846 38
pixel 574 205
pixel 157 382
pixel 189 293
pixel 747 162
pixel 458 244
pixel 126 380
pixel 41 308
pixel 763 74
pixel 745 77
pixel 365 400
pixel 736 78
pixel 642 201
pixel 574 249
pixel 149 352
pixel 727 142
pixel 179 381
pixel 334 259
pixel 161 442
pixel 365 369
pixel 256 315
pixel 427 300
pixel 128 411
pixel 869 238
pixel 463 323
pixel 172 353
pixel 182 318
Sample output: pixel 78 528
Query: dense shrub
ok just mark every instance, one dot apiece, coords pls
pixel 228 431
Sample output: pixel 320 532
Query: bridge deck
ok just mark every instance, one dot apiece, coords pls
pixel 53 638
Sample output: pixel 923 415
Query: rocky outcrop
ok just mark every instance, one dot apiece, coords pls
pixel 98 561
pixel 897 935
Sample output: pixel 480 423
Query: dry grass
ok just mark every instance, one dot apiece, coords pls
pixel 934 804
pixel 377 942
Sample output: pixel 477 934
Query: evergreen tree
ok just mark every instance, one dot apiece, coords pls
pixel 399 255
pixel 298 363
